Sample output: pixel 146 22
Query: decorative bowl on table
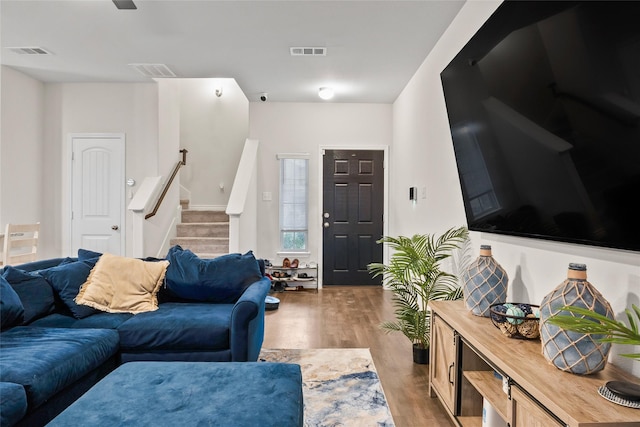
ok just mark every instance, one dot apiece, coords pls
pixel 517 320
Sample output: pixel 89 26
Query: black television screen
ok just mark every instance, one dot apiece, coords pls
pixel 544 109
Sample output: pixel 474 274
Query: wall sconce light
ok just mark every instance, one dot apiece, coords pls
pixel 219 92
pixel 325 93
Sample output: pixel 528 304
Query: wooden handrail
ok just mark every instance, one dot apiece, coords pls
pixel 168 184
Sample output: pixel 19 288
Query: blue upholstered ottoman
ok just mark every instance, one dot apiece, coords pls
pixel 234 394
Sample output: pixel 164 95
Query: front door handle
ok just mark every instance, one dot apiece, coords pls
pixel 325 225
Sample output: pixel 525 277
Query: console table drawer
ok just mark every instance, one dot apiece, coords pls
pixel 526 412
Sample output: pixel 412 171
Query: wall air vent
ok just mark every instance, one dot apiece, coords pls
pixel 153 70
pixel 29 50
pixel 308 51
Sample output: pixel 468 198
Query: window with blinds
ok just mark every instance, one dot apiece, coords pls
pixel 294 203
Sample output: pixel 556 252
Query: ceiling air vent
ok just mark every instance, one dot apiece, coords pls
pixel 29 50
pixel 308 51
pixel 153 70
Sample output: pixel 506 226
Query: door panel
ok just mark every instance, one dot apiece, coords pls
pixel 97 194
pixel 353 199
pixel 443 361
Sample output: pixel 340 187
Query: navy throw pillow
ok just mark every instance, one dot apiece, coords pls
pixel 66 280
pixel 88 257
pixel 34 291
pixel 11 308
pixel 222 279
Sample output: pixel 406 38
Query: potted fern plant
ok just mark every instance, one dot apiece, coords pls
pixel 415 276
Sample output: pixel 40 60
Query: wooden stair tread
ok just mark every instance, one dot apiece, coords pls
pixel 204 232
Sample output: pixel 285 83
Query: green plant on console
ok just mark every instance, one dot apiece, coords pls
pixel 415 277
pixel 593 323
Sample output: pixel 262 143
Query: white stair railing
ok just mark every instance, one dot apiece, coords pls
pixel 243 205
pixel 139 205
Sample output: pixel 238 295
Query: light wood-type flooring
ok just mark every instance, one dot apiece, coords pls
pixel 349 317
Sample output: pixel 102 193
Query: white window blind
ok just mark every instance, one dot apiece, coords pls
pixel 294 198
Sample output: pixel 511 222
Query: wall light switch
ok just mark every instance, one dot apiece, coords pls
pixel 266 196
pixel 413 193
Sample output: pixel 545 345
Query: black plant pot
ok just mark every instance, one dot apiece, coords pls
pixel 420 355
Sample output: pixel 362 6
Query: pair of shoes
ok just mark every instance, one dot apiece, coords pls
pixel 281 275
pixel 286 263
pixel 295 263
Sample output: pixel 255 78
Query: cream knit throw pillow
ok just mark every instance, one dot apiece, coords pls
pixel 123 285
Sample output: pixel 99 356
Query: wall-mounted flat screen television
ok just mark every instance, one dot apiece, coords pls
pixel 544 109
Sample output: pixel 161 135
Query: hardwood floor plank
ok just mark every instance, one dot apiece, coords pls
pixel 349 317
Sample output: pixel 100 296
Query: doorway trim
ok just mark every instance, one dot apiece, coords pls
pixel 67 187
pixel 317 222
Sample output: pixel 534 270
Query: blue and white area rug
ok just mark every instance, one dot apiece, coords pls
pixel 340 386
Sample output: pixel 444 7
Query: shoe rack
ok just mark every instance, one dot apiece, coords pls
pixel 293 275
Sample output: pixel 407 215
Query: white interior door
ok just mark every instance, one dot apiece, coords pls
pixel 97 216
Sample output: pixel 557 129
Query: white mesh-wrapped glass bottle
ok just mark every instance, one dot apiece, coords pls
pixel 485 283
pixel 572 351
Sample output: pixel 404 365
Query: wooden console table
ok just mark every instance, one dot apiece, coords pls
pixel 469 354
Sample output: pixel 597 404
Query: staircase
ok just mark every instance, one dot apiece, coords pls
pixel 205 233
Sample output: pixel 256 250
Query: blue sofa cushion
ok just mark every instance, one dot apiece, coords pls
pixel 222 279
pixel 46 360
pixel 239 394
pixel 13 403
pixel 66 279
pixel 178 326
pixel 40 264
pixel 99 320
pixel 103 320
pixel 55 320
pixel 11 308
pixel 35 293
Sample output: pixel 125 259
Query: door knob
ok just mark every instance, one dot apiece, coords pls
pixel 114 227
pixel 326 215
pixel 326 225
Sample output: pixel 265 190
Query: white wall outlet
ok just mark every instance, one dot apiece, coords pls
pixel 266 196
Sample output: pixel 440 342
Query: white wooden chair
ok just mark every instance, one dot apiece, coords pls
pixel 20 243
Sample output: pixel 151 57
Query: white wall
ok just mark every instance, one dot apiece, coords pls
pixel 131 109
pixel 21 152
pixel 303 128
pixel 213 129
pixel 423 156
pixel 160 229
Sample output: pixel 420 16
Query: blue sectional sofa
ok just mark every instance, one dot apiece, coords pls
pixel 69 328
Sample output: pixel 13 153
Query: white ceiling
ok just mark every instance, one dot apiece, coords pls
pixel 373 47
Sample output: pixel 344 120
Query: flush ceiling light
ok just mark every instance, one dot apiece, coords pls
pixel 325 93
